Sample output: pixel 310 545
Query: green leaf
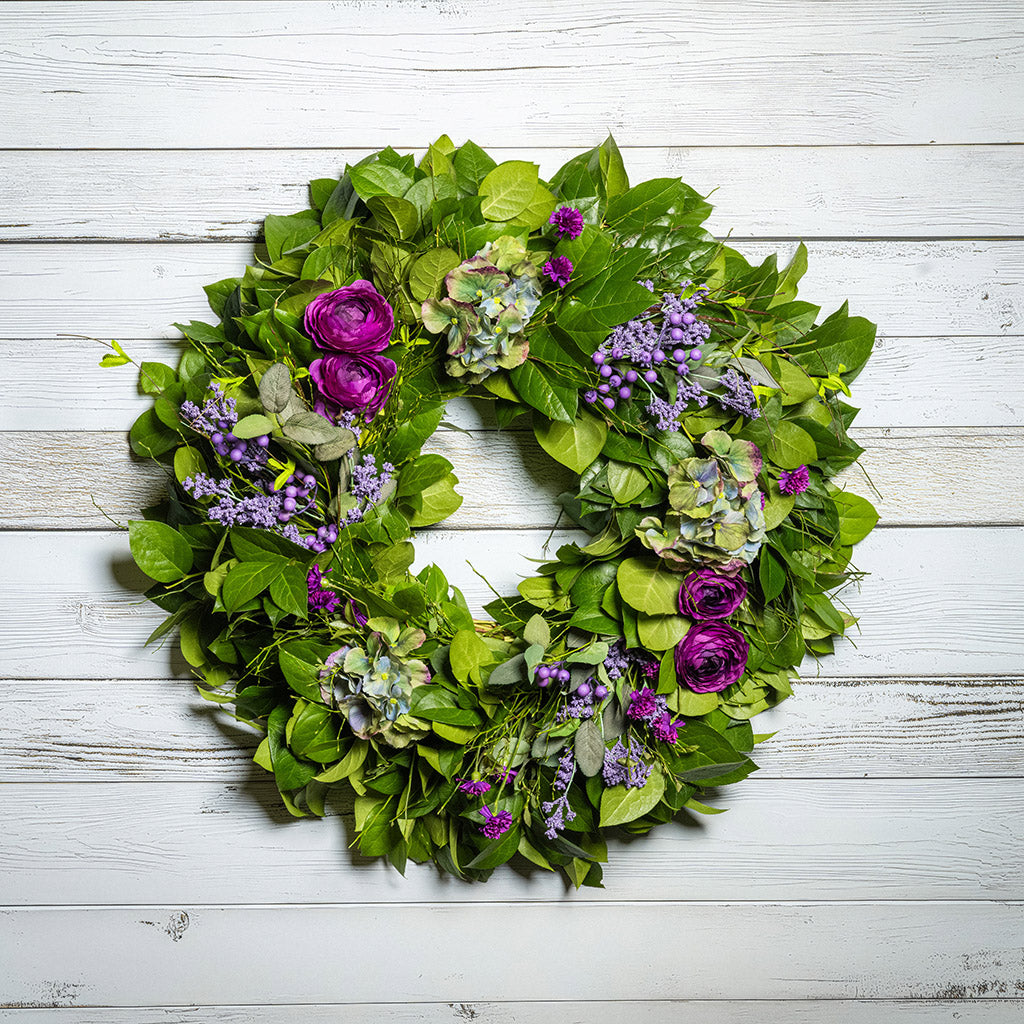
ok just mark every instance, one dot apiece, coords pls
pixel 497 851
pixel 472 164
pixel 467 655
pixel 613 170
pixel 159 550
pixel 275 388
pixel 771 574
pixel 429 271
pixel 537 211
pixel 155 378
pixel 150 438
pixel 589 748
pixel 378 179
pixel 537 387
pixel 790 446
pixel 508 189
pixel 289 591
pixel 537 631
pixel 421 473
pixel 251 426
pixel 245 581
pixel 621 804
pixel 647 588
pixel 435 503
pixel 574 444
pixel 314 733
pixel 289 772
pixel 301 662
pixel 625 482
pixel 285 233
pixel 660 632
pixel 857 516
pixel 436 704
pixel 187 462
pixel 686 702
pixel 840 340
pixel 397 216
pixel 785 290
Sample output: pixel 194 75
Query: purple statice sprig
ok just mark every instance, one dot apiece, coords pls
pixel 558 812
pixel 368 486
pixel 625 766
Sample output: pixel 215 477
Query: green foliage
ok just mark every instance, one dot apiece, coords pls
pixel 385 685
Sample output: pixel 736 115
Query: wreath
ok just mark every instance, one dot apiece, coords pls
pixel 699 405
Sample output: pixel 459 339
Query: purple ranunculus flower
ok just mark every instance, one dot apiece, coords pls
pixel 350 381
pixel 356 318
pixel 706 594
pixel 711 657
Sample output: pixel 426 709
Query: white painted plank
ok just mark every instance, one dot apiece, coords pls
pixel 758 192
pixel 130 843
pixel 128 956
pixel 909 382
pixel 84 480
pixel 1006 1010
pixel 936 602
pixel 84 730
pixel 137 290
pixel 302 74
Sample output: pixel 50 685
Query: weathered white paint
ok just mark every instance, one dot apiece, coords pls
pixel 507 480
pixel 105 780
pixel 843 839
pixel 363 952
pixel 138 290
pixel 936 601
pixel 509 74
pixel 909 382
pixel 160 730
pixel 757 191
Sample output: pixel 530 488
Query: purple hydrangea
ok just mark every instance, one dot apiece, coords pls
pixel 795 481
pixel 568 222
pixel 495 824
pixel 558 270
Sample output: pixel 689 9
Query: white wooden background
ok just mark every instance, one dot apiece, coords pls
pixel 872 871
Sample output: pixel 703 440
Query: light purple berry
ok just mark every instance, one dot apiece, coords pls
pixel 651 376
pixel 583 690
pixel 679 355
pixel 677 334
pixel 695 353
pixel 263 440
pixel 598 357
pixel 689 318
pixel 600 691
pixel 625 392
pixel 631 375
pixel 605 371
pixel 675 318
pixel 609 402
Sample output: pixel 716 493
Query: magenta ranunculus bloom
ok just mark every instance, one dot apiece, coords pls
pixel 706 594
pixel 356 318
pixel 358 382
pixel 711 657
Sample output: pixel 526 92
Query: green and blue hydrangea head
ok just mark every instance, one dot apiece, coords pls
pixel 715 518
pixel 490 300
pixel 372 685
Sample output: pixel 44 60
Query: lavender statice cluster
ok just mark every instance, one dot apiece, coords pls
pixel 558 812
pixel 625 766
pixel 620 660
pixel 667 337
pixel 367 487
pixel 738 395
pixel 216 419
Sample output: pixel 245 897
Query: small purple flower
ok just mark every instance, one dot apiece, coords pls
pixel 643 704
pixel 795 482
pixel 474 787
pixel 559 270
pixel 505 775
pixel 495 824
pixel 319 598
pixel 711 657
pixel 665 729
pixel 568 222
pixel 706 594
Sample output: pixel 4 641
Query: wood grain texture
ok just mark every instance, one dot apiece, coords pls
pixel 85 730
pixel 758 192
pixel 909 382
pixel 295 75
pixel 1006 1010
pixel 183 954
pixel 129 843
pixel 936 602
pixel 508 481
pixel 137 290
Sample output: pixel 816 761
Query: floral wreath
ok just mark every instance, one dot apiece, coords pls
pixel 695 398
